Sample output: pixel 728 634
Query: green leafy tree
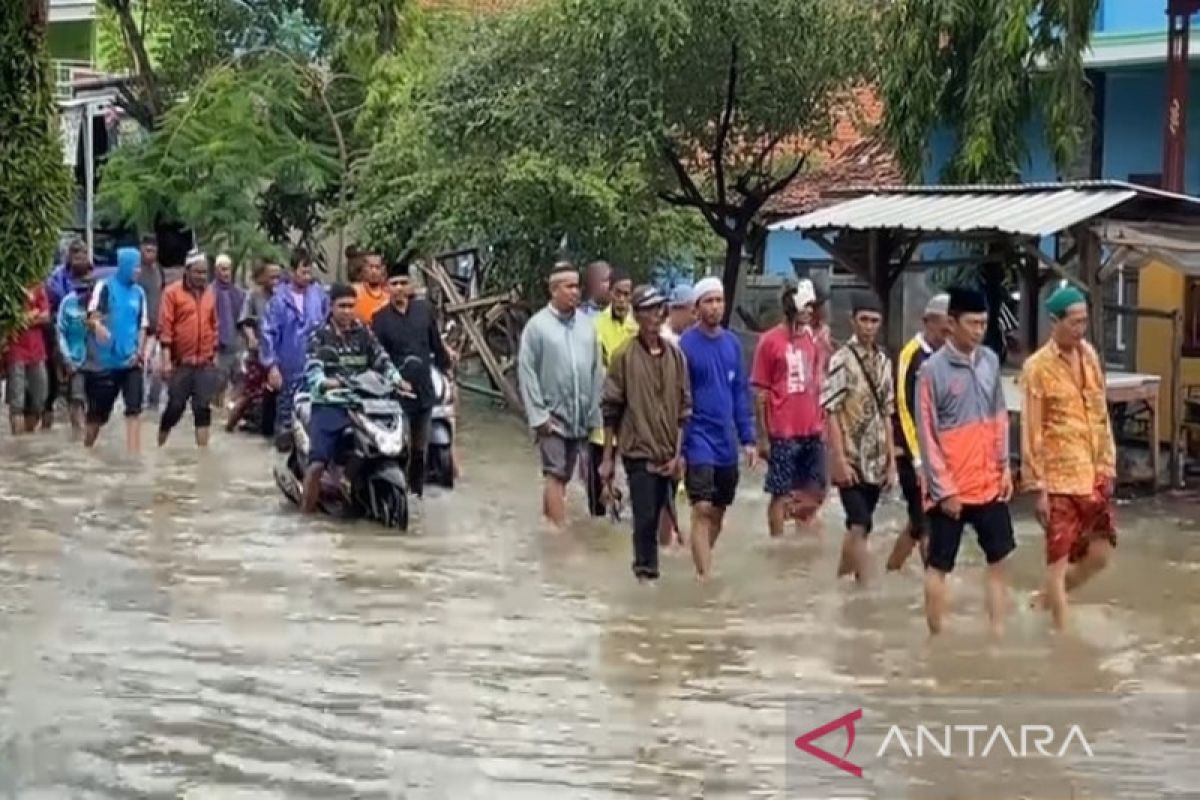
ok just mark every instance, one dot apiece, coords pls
pixel 720 100
pixel 34 184
pixel 420 190
pixel 233 159
pixel 167 46
pixel 977 69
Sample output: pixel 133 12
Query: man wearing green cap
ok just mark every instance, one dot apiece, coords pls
pixel 1068 457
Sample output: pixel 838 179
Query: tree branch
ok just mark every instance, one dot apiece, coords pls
pixel 718 153
pixel 691 191
pixel 139 56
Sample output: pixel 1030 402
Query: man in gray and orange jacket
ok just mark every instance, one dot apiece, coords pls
pixel 962 425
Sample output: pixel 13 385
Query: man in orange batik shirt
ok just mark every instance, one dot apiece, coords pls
pixel 1067 453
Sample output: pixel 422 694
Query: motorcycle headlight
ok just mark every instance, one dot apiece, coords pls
pixel 390 443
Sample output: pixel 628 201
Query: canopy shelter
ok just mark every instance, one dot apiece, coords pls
pixel 1098 226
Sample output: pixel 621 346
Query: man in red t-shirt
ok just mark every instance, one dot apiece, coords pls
pixel 789 368
pixel 25 364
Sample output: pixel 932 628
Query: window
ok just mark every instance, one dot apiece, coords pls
pixel 1191 317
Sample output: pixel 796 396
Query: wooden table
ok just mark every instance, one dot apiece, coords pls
pixel 1120 387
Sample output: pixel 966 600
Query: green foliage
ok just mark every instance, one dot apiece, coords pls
pixel 242 161
pixel 34 185
pixel 564 116
pixel 978 68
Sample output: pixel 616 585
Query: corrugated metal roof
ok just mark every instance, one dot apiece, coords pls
pixel 1022 211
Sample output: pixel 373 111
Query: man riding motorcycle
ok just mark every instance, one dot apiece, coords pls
pixel 337 351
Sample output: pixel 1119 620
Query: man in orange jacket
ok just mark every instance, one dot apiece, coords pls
pixel 372 294
pixel 187 332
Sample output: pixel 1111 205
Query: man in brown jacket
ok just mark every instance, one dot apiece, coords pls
pixel 646 402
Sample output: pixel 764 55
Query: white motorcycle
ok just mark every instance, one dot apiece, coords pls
pixel 439 459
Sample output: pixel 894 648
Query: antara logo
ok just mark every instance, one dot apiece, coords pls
pixel 950 741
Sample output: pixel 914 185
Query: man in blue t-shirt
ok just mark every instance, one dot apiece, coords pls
pixel 721 419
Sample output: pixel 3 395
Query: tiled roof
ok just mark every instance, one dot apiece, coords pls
pixel 867 162
pixel 854 157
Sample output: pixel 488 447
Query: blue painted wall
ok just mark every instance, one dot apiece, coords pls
pixel 1131 16
pixel 1133 123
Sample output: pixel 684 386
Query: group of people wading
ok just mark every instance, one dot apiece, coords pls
pixel 94 339
pixel 654 381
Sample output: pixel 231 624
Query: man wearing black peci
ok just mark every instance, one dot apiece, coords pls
pixel 407 329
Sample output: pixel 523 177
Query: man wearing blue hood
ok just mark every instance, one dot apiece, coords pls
pixel 118 322
pixel 297 308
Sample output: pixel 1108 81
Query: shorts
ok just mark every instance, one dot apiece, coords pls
pixel 28 387
pixel 559 455
pixel 914 499
pixel 326 427
pixel 1075 522
pixel 993 527
pixel 708 484
pixel 229 367
pixel 103 388
pixel 795 465
pixel 75 388
pixel 859 502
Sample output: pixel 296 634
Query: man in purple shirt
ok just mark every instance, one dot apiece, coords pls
pixel 298 307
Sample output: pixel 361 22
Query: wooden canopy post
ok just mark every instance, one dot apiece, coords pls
pixel 1031 295
pixel 1089 270
pixel 1177 410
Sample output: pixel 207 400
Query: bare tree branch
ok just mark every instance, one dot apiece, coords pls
pixel 718 153
pixel 690 190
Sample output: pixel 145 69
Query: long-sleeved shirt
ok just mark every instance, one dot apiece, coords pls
pixel 1066 436
pixel 340 355
pixel 908 365
pixel 858 391
pixel 289 320
pixel 560 373
pixel 187 324
pixel 611 333
pixel 72 331
pixel 962 423
pixel 413 334
pixel 647 399
pixel 721 410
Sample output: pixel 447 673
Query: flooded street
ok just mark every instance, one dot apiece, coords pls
pixel 170 629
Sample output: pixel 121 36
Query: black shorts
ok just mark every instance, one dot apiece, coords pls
pixel 993 527
pixel 708 484
pixel 103 388
pixel 914 502
pixel 859 501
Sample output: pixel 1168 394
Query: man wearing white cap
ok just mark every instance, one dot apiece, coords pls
pixel 561 379
pixel 230 299
pixel 935 327
pixel 721 420
pixel 789 368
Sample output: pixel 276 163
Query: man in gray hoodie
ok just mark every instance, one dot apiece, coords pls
pixel 561 377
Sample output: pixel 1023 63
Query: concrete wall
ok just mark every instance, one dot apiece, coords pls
pixel 1161 287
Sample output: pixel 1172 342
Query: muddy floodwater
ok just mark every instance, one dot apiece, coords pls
pixel 169 629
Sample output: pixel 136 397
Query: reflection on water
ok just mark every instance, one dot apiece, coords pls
pixel 171 630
